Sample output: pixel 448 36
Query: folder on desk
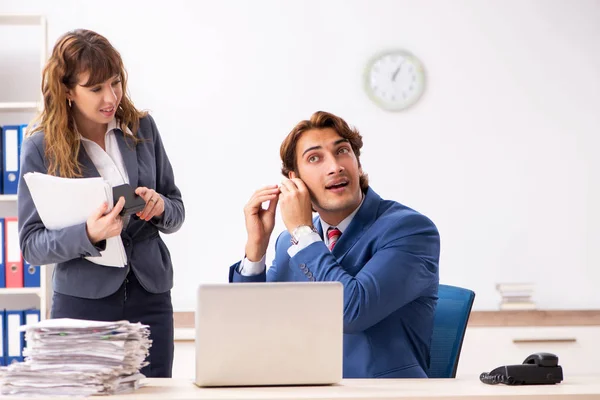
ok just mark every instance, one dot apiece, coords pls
pixel 10 158
pixel 2 337
pixel 14 337
pixel 2 264
pixel 13 261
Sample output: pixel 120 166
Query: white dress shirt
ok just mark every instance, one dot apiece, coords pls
pixel 109 163
pixel 249 268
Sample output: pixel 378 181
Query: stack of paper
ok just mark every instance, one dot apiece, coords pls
pixel 63 202
pixel 516 296
pixel 79 358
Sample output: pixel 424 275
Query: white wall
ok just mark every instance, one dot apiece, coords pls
pixel 500 151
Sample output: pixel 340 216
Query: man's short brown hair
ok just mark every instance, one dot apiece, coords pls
pixel 320 120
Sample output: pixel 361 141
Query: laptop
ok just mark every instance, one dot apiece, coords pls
pixel 260 334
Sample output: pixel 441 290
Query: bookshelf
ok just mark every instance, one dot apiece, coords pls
pixel 26 297
pixel 20 291
pixel 8 197
pixel 22 106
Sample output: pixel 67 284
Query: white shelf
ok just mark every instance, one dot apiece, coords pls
pixel 38 24
pixel 22 106
pixel 27 290
pixel 8 197
pixel 8 19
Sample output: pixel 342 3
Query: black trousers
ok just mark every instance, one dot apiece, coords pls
pixel 133 303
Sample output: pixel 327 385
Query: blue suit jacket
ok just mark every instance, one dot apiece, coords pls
pixel 387 260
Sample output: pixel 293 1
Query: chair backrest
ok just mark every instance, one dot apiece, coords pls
pixel 449 326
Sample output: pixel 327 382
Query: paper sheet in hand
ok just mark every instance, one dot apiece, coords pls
pixel 63 202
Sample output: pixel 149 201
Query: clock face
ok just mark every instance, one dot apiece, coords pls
pixel 395 80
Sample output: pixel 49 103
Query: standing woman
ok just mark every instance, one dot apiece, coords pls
pixel 90 128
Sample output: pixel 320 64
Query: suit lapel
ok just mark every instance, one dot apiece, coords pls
pixel 88 168
pixel 362 221
pixel 129 154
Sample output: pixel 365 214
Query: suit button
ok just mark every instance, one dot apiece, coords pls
pixel 309 275
pixel 126 243
pixel 312 279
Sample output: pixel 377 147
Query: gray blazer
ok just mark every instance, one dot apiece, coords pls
pixel 147 165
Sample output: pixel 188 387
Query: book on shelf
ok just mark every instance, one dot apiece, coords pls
pixel 515 287
pixel 521 294
pixel 516 299
pixel 516 296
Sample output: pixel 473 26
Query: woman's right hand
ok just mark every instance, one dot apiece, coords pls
pixel 100 227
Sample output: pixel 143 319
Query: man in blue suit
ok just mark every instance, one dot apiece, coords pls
pixel 385 254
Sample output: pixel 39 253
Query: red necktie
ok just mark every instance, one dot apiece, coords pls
pixel 333 234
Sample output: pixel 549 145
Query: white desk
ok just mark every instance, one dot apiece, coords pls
pixel 577 388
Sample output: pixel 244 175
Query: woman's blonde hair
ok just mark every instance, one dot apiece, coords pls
pixel 77 52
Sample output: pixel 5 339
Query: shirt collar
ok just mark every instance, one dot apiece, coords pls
pixel 112 125
pixel 345 222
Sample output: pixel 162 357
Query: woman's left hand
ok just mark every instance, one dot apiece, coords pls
pixel 155 205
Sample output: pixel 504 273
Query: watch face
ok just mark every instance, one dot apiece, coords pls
pixel 301 231
pixel 395 80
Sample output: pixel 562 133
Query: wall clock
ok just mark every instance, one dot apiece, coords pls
pixel 394 80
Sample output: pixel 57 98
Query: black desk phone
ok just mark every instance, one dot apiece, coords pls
pixel 537 369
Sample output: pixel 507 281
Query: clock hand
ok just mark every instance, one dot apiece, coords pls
pixel 395 74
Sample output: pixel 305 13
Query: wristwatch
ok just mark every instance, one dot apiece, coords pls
pixel 300 231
